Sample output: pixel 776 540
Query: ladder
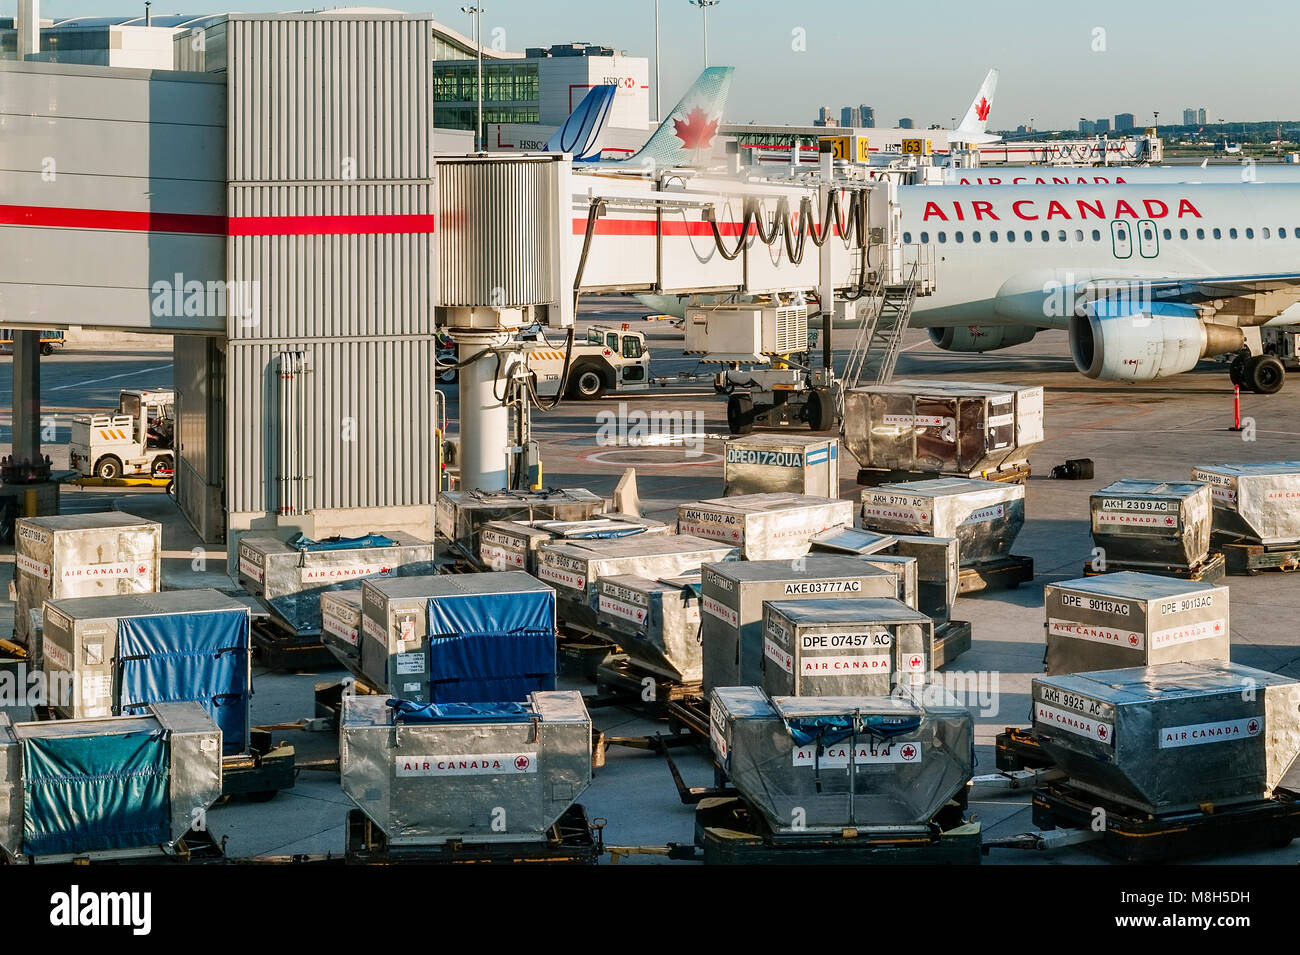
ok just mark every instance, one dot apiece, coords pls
pixel 880 336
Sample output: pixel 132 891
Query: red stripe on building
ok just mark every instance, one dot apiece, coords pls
pixel 113 220
pixel 331 225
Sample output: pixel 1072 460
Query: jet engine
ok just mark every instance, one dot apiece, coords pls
pixel 981 338
pixel 1142 344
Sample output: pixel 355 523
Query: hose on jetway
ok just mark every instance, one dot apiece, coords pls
pixel 853 228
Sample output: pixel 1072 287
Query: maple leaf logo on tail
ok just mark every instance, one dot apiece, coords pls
pixel 697 131
pixel 982 109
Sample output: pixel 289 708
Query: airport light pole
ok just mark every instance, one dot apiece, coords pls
pixel 476 11
pixel 704 12
pixel 658 117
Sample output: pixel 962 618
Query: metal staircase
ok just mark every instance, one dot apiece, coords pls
pixel 880 336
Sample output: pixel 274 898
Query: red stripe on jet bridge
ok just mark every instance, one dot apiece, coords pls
pixel 646 227
pixel 118 221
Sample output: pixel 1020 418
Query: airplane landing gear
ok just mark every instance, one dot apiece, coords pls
pixel 1262 374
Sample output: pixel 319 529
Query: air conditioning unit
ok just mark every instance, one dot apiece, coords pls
pixel 746 332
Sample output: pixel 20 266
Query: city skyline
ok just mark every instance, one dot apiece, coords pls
pixel 790 61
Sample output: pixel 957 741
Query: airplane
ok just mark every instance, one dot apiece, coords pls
pixel 581 134
pixel 1148 279
pixel 1250 172
pixel 684 139
pixel 974 126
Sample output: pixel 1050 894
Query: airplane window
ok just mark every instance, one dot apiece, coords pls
pixel 943 236
pixel 1047 237
pixel 1200 233
pixel 1232 233
pixel 1078 235
pixel 1266 233
pixel 1182 233
pixel 960 238
pixel 1029 237
pixel 993 236
pixel 925 238
pixel 1146 236
pixel 1096 236
pixel 974 237
pixel 1122 235
pixel 1169 234
pixel 1011 236
pixel 1250 233
pixel 907 238
pixel 1281 233
pixel 1218 234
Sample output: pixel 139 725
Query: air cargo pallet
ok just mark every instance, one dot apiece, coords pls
pixel 1007 572
pixel 1242 557
pixel 621 682
pixel 874 477
pixel 729 833
pixel 261 772
pixel 1135 836
pixel 951 640
pixel 580 653
pixel 1016 749
pixel 573 840
pixel 278 649
pixel 1208 570
pixel 196 847
pixel 690 715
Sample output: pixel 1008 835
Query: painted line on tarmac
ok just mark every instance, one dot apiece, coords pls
pixel 95 381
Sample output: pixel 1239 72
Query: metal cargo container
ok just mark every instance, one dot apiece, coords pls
pixel 80 555
pixel 491 773
pixel 790 758
pixel 655 622
pixel 460 515
pixel 1152 523
pixel 984 516
pixel 793 464
pixel 937 572
pixel 965 429
pixel 732 596
pixel 764 526
pixel 512 545
pixel 1133 620
pixel 118 654
pixel 1257 501
pixel 1173 737
pixel 458 638
pixel 291 577
pixel 115 787
pixel 850 540
pixel 903 568
pixel 574 568
pixel 340 618
pixel 843 646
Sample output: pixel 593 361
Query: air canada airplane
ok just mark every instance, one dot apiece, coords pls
pixel 1148 279
pixel 1248 172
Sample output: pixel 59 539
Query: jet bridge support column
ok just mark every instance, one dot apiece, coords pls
pixel 484 416
pixel 25 474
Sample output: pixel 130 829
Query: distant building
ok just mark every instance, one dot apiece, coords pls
pixel 1189 117
pixel 906 123
pixel 868 116
pixel 1101 126
pixel 851 116
pixel 1200 116
pixel 1087 125
pixel 105 41
pixel 1125 122
pixel 824 117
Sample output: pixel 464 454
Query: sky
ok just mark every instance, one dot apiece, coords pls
pixel 923 60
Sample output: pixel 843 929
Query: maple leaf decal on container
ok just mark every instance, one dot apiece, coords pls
pixel 697 130
pixel 982 109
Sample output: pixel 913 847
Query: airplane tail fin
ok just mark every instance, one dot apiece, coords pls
pixel 686 135
pixel 976 119
pixel 582 133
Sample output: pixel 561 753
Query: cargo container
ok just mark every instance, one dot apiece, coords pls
pixel 732 596
pixel 291 576
pixel 574 568
pixel 120 654
pixel 1152 523
pixel 112 788
pixel 843 646
pixel 825 764
pixel 1260 502
pixel 493 772
pixel 340 613
pixel 80 555
pixel 781 463
pixel 460 515
pixel 1170 738
pixel 904 569
pixel 512 545
pixel 764 526
pixel 655 622
pixel 984 516
pixel 1129 619
pixel 458 638
pixel 963 429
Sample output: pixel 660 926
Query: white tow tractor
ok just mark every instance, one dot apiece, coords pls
pixel 610 359
pixel 136 440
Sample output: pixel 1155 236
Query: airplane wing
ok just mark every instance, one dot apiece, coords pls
pixel 1192 290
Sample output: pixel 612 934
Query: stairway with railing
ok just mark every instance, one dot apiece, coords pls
pixel 879 340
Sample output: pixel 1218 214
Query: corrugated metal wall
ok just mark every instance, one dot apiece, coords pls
pixel 367 410
pixel 309 93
